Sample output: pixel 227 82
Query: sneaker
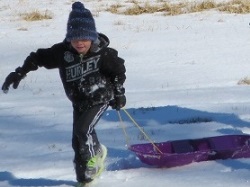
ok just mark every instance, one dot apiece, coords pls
pixel 95 165
pixel 82 184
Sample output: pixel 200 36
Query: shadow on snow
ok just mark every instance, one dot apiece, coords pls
pixel 12 180
pixel 176 115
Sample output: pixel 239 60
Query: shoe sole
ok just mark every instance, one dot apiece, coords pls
pixel 79 184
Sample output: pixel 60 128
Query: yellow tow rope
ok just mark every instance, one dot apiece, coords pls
pixel 138 126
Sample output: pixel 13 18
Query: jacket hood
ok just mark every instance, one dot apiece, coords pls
pixel 101 42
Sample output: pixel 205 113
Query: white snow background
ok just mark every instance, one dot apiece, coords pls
pixel 179 68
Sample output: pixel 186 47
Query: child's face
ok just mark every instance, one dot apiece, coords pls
pixel 81 46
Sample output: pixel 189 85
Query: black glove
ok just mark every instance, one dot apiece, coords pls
pixel 118 102
pixel 13 78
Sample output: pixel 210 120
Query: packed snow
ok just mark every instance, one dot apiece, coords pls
pixel 179 69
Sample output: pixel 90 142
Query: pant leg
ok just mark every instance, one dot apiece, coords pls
pixel 84 140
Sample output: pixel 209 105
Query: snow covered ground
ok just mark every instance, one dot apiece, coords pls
pixel 178 68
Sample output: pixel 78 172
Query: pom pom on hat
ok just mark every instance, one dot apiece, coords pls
pixel 78 6
pixel 81 24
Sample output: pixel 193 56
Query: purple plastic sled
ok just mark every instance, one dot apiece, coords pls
pixel 182 152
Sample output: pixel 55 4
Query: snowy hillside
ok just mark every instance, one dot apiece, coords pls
pixel 179 69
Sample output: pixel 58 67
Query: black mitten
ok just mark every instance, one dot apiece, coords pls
pixel 13 78
pixel 118 102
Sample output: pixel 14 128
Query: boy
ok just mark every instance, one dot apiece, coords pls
pixel 92 75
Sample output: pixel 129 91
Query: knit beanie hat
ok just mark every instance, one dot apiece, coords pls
pixel 81 24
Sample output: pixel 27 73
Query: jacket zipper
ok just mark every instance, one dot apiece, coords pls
pixel 81 58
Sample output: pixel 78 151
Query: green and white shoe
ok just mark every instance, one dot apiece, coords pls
pixel 81 184
pixel 95 165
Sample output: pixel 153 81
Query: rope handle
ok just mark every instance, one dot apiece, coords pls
pixel 139 127
pixel 123 127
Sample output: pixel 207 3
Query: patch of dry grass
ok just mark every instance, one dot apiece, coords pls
pixel 202 6
pixel 167 8
pixel 37 16
pixel 236 6
pixel 244 81
pixel 114 8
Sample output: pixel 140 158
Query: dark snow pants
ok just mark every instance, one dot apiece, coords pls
pixel 84 140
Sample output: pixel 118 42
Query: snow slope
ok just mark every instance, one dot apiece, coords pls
pixel 179 68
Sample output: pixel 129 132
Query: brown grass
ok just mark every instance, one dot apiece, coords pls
pixel 236 6
pixel 114 8
pixel 36 16
pixel 202 6
pixel 137 8
pixel 244 81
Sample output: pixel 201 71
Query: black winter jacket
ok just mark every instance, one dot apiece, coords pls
pixel 88 80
